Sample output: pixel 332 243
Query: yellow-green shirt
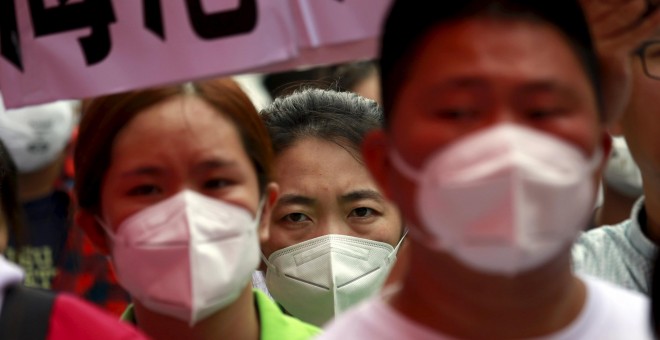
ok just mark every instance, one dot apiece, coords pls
pixel 275 325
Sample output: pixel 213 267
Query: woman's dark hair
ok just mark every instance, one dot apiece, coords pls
pixel 12 211
pixel 408 22
pixel 339 117
pixel 105 116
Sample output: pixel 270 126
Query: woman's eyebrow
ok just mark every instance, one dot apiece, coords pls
pixel 212 164
pixel 295 199
pixel 360 195
pixel 146 170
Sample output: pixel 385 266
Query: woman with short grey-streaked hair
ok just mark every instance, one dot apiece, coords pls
pixel 333 234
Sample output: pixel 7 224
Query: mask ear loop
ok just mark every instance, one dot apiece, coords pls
pixel 403 166
pixel 596 158
pixel 260 210
pixel 108 231
pixel 111 237
pixel 394 252
pixel 269 265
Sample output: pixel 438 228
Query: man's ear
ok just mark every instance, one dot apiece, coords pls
pixel 93 230
pixel 271 195
pixel 616 129
pixel 374 153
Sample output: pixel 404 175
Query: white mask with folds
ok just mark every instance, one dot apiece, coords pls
pixel 319 278
pixel 503 200
pixel 187 256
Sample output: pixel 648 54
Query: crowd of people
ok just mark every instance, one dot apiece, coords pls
pixel 493 174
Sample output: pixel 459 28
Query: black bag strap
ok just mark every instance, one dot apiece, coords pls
pixel 25 313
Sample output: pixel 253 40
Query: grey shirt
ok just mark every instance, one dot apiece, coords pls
pixel 620 254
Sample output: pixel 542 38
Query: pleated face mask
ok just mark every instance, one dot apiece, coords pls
pixel 319 278
pixel 503 200
pixel 36 136
pixel 187 256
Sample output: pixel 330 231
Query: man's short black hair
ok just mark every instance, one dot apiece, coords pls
pixel 408 22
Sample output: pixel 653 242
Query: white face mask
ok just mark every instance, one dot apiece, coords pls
pixel 37 135
pixel 187 256
pixel 504 200
pixel 319 278
pixel 621 172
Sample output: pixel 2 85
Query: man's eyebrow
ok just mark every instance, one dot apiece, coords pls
pixel 295 199
pixel 458 83
pixel 548 86
pixel 360 195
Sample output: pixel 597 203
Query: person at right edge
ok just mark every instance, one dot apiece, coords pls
pixel 624 253
pixel 494 140
pixel 621 186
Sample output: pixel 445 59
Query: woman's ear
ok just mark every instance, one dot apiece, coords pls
pixel 374 153
pixel 271 195
pixel 87 221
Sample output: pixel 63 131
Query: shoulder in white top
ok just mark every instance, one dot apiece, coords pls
pixel 610 312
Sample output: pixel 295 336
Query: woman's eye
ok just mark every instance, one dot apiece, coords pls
pixel 144 190
pixel 296 218
pixel 363 212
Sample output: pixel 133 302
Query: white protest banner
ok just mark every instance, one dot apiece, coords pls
pixel 59 49
pixel 337 22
